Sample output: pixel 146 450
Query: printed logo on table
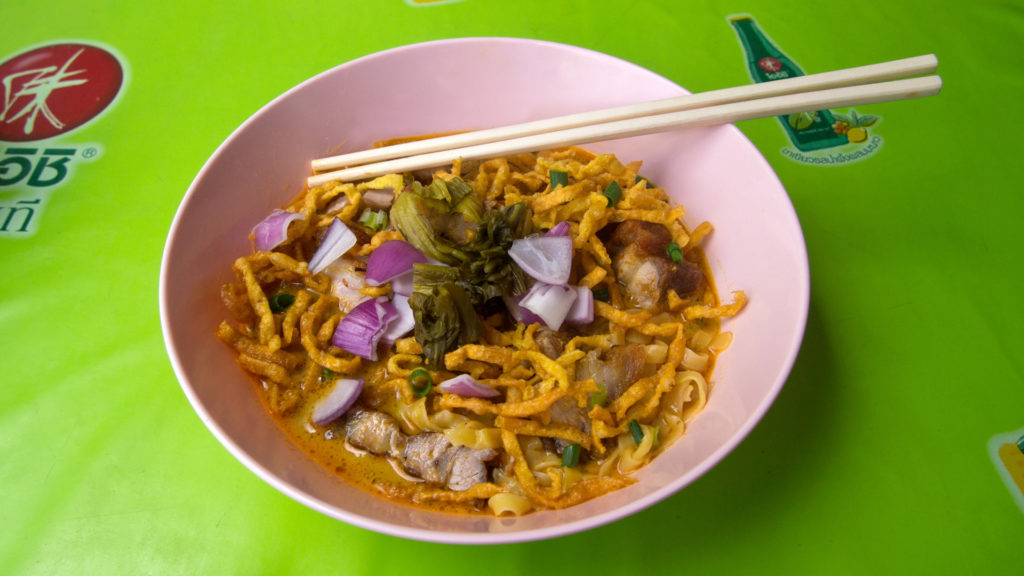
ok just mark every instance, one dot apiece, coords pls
pixel 1007 453
pixel 47 93
pixel 816 137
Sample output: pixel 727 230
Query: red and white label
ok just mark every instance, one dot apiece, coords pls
pixel 769 64
pixel 52 90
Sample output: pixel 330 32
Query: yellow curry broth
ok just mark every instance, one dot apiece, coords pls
pixel 291 355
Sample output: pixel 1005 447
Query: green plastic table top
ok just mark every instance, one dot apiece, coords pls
pixel 882 453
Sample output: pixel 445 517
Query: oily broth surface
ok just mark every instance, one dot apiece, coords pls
pixel 365 471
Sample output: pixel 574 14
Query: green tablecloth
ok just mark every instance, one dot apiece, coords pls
pixel 877 456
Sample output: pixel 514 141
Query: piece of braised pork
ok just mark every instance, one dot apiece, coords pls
pixel 428 456
pixel 639 252
pixel 432 457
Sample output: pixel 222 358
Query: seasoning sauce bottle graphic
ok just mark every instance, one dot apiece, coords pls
pixel 811 130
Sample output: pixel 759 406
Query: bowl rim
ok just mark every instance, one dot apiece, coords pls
pixel 802 284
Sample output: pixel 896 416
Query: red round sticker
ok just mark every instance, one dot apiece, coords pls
pixel 54 89
pixel 769 64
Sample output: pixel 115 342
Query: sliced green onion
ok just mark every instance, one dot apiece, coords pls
pixel 636 431
pixel 602 294
pixel 420 382
pixel 600 397
pixel 571 455
pixel 327 375
pixel 613 193
pixel 558 178
pixel 374 219
pixel 675 252
pixel 281 301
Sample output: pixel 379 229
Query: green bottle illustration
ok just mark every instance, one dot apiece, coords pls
pixel 807 131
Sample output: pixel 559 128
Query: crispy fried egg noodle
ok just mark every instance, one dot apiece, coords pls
pixel 618 390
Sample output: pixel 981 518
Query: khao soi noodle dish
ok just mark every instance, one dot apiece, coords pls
pixel 496 337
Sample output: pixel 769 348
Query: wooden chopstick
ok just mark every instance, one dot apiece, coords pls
pixel 905 68
pixel 775 98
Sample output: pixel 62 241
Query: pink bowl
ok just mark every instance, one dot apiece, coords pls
pixel 462 84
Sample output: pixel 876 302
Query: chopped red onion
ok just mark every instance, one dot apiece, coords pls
pixel 520 314
pixel 339 239
pixel 551 302
pixel 391 259
pixel 401 324
pixel 273 229
pixel 546 258
pixel 560 229
pixel 362 329
pixel 466 385
pixel 402 284
pixel 338 401
pixel 582 311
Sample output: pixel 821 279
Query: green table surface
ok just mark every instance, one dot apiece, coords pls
pixel 876 457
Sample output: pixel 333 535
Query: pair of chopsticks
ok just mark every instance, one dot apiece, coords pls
pixel 840 88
